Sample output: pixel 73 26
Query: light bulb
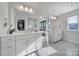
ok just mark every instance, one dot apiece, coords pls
pixel 30 10
pixel 21 7
pixel 26 9
pixel 52 17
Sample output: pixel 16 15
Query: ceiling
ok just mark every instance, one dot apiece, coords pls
pixel 51 8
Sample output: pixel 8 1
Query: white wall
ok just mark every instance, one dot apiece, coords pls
pixel 3 15
pixel 69 36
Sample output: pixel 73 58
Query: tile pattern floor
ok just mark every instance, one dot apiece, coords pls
pixel 47 51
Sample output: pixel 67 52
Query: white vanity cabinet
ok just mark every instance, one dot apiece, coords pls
pixel 26 43
pixel 7 46
pixel 23 42
pixel 17 45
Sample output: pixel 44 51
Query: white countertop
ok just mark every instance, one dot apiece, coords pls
pixel 15 34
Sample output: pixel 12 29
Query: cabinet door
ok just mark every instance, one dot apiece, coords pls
pixel 26 43
pixel 20 46
pixel 21 37
pixel 8 39
pixel 31 48
pixel 8 49
pixel 38 43
pixel 58 36
pixel 32 38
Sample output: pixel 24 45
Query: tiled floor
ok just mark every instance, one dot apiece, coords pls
pixel 62 47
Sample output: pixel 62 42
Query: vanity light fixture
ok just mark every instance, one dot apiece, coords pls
pixel 25 8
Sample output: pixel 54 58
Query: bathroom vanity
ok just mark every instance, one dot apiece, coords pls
pixel 21 42
pixel 16 44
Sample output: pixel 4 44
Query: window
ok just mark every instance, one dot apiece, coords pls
pixel 72 23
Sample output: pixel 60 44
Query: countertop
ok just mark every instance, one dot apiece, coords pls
pixel 16 34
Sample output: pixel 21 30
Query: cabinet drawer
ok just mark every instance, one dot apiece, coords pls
pixel 38 35
pixel 8 51
pixel 22 37
pixel 5 44
pixel 32 36
pixel 7 39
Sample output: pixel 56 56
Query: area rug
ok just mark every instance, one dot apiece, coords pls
pixel 47 51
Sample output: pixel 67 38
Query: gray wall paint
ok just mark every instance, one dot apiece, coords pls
pixel 3 15
pixel 69 36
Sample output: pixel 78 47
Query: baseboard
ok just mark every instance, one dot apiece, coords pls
pixel 57 41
